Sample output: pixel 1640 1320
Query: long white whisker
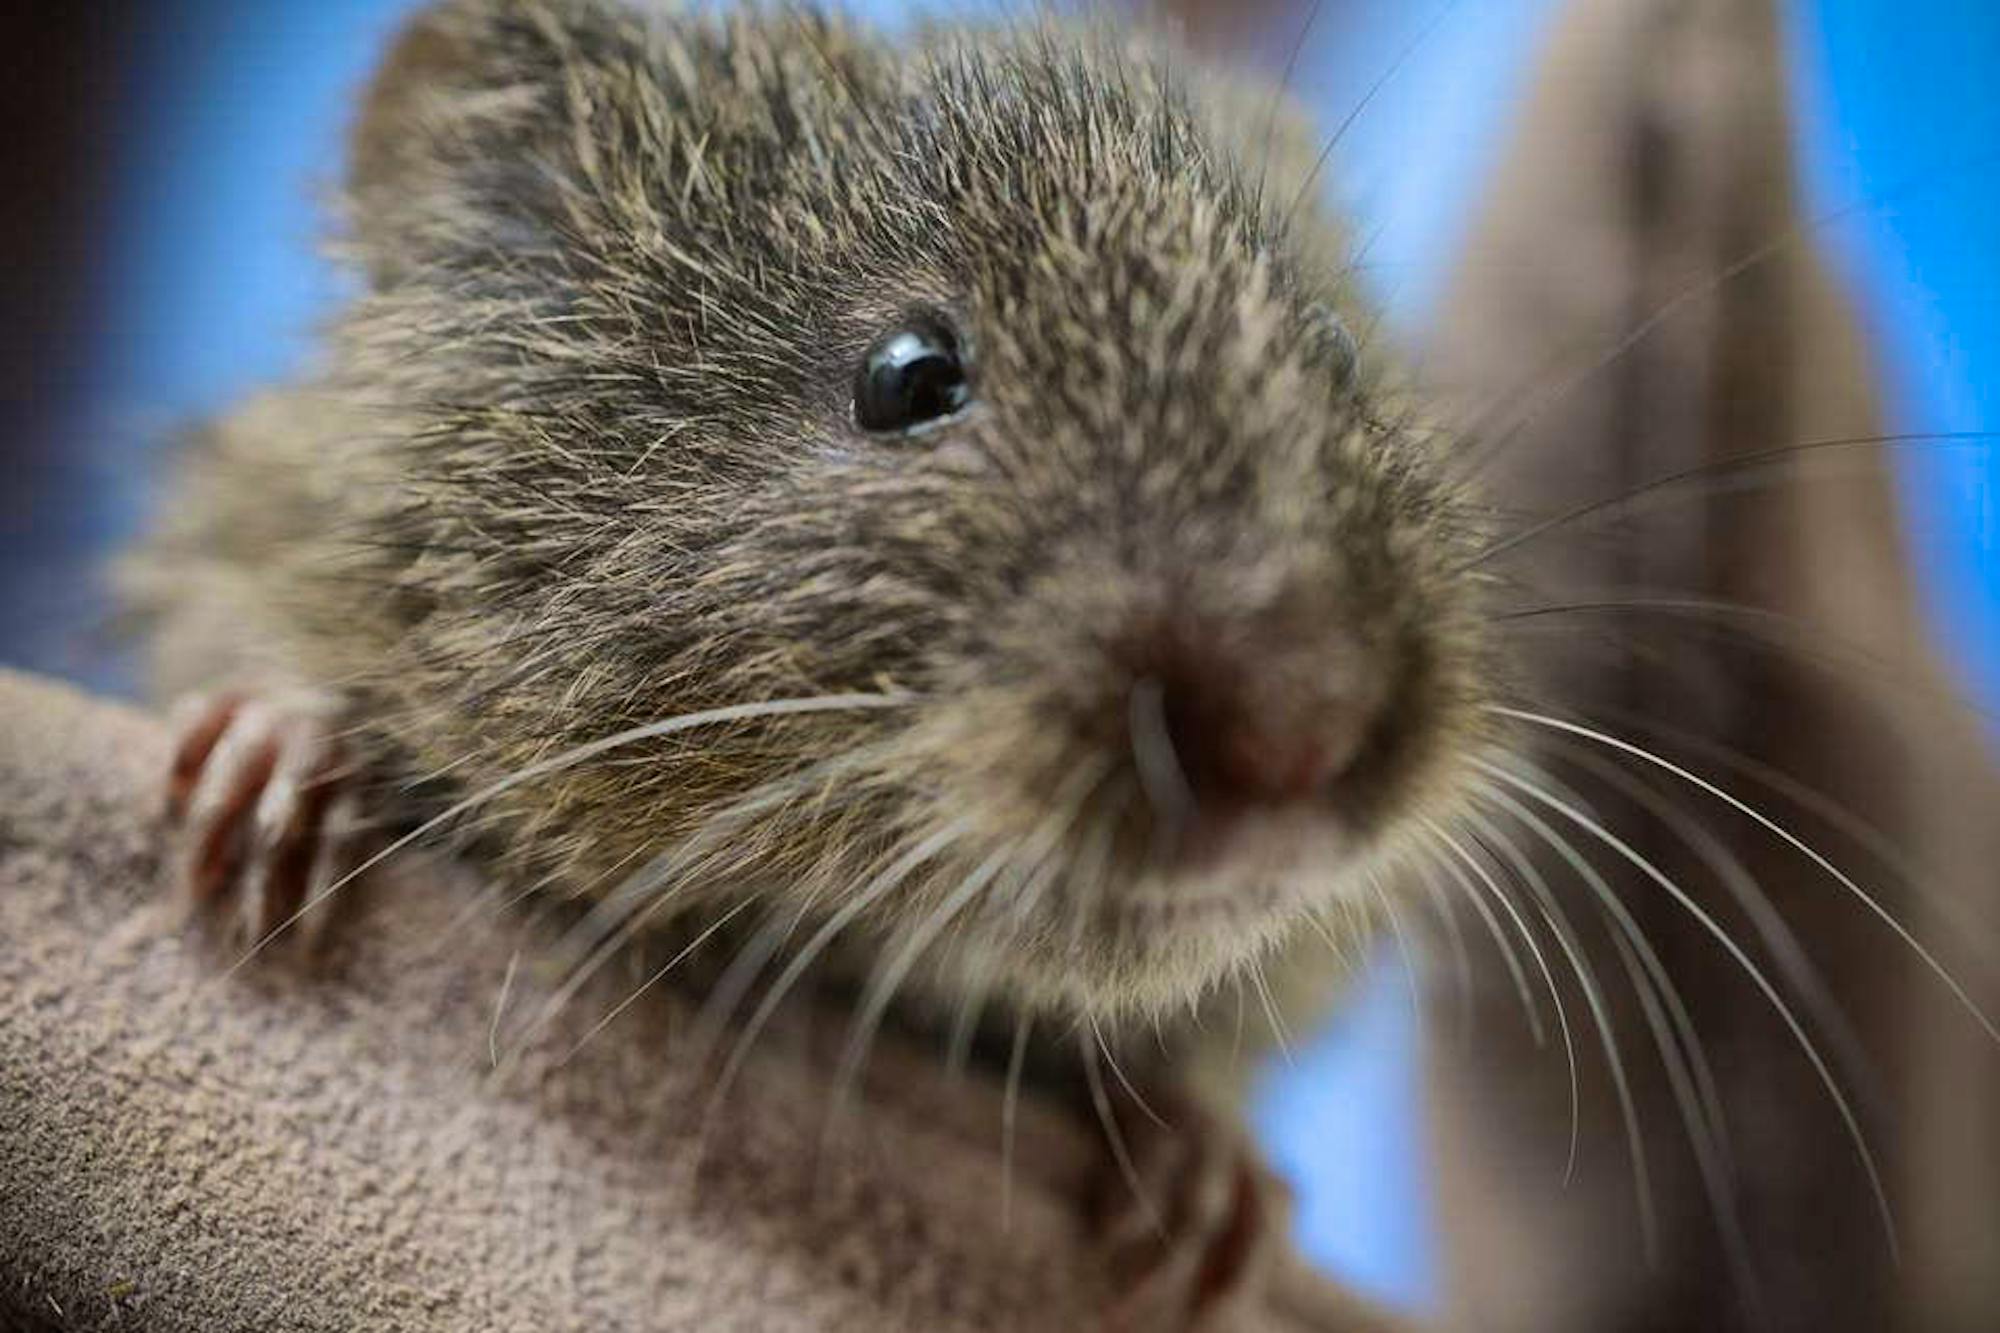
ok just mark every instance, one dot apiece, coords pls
pixel 1628 933
pixel 658 975
pixel 1506 902
pixel 795 968
pixel 569 759
pixel 1270 1007
pixel 1493 836
pixel 1461 955
pixel 966 1013
pixel 1402 940
pixel 1750 969
pixel 611 913
pixel 1868 900
pixel 1117 1072
pixel 500 1010
pixel 1871 839
pixel 1041 861
pixel 1686 1064
pixel 1777 936
pixel 1530 1010
pixel 639 908
pixel 1120 1152
pixel 882 989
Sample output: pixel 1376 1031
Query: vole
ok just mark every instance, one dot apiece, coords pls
pixel 934 498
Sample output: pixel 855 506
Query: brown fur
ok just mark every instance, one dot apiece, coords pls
pixel 578 460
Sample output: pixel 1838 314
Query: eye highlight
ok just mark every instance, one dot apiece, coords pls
pixel 912 376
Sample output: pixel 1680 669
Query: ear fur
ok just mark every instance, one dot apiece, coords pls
pixel 460 139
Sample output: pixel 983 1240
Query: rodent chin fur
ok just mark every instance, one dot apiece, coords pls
pixel 1163 636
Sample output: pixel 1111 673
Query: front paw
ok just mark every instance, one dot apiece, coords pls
pixel 260 797
pixel 1193 1228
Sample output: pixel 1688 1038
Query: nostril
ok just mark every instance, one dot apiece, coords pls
pixel 1273 767
pixel 1267 767
pixel 1235 740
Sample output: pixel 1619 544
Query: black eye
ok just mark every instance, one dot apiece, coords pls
pixel 912 375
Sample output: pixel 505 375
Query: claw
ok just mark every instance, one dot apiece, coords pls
pixel 198 723
pixel 1191 1254
pixel 258 790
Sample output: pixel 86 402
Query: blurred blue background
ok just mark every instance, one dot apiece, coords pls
pixel 191 277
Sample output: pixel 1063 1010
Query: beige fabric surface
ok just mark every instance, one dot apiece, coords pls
pixel 332 1149
pixel 1646 295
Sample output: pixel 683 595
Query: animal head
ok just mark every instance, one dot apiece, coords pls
pixel 1008 378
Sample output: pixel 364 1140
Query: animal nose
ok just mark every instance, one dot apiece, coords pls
pixel 1251 725
pixel 1262 765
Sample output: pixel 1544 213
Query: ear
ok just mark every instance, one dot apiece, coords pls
pixel 459 146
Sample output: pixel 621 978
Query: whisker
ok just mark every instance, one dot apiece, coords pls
pixel 1504 946
pixel 1097 1035
pixel 1120 1153
pixel 571 758
pixel 1461 956
pixel 637 914
pixel 1278 93
pixel 1869 838
pixel 1236 1037
pixel 1506 902
pixel 1158 764
pixel 1493 836
pixel 1712 467
pixel 639 897
pixel 966 1013
pixel 1042 862
pixel 1682 1057
pixel 873 892
pixel 1270 1007
pixel 1773 931
pixel 1010 1103
pixel 1402 947
pixel 1382 81
pixel 642 884
pixel 1868 900
pixel 1749 966
pixel 500 1010
pixel 1775 631
pixel 890 975
pixel 1318 926
pixel 729 993
pixel 1090 871
pixel 658 975
pixel 1794 234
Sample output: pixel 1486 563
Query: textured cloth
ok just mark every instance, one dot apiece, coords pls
pixel 329 1146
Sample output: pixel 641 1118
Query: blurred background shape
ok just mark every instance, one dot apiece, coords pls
pixel 167 159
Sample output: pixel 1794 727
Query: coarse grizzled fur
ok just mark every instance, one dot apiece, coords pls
pixel 579 458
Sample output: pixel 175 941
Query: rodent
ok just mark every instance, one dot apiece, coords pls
pixel 584 455
pixel 996 404
pixel 1006 385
